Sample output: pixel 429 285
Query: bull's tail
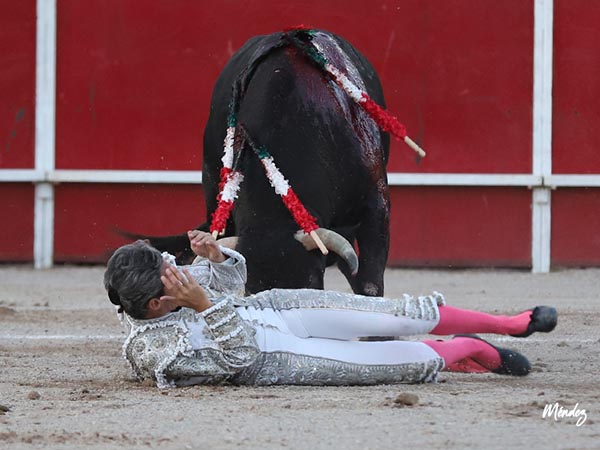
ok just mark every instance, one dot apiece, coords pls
pixel 177 244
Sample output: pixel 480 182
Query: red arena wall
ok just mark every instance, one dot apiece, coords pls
pixel 575 140
pixel 133 88
pixel 17 113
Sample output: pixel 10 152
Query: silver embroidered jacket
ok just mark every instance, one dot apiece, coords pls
pixel 186 347
pixel 172 348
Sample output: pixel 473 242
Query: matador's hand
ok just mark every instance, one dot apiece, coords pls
pixel 183 290
pixel 204 244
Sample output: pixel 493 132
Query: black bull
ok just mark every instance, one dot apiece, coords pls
pixel 332 153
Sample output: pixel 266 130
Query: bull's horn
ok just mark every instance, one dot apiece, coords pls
pixel 334 242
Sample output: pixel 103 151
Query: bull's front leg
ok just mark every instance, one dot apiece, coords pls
pixel 373 238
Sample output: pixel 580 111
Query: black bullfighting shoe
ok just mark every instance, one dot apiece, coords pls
pixel 543 319
pixel 511 362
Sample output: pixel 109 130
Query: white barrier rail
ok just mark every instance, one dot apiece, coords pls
pixel 394 179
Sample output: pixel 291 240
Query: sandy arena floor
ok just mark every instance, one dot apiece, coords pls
pixel 64 385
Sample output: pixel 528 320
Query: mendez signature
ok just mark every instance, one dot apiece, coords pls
pixel 557 411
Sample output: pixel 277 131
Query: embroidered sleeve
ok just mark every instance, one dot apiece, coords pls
pixel 230 275
pixel 233 336
pixel 234 349
pixel 151 348
pixel 207 366
pixel 226 277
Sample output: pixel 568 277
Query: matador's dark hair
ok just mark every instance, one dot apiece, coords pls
pixel 132 278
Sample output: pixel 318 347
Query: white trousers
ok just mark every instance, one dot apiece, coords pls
pixel 332 333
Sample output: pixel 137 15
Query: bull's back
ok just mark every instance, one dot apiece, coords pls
pixel 323 143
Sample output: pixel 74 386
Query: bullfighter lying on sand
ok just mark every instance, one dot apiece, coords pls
pixel 191 325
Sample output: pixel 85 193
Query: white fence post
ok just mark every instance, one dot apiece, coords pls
pixel 45 120
pixel 542 133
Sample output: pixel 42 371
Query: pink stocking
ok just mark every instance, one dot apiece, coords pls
pixel 463 354
pixel 455 320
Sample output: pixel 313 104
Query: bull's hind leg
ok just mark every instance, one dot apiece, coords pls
pixel 373 238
